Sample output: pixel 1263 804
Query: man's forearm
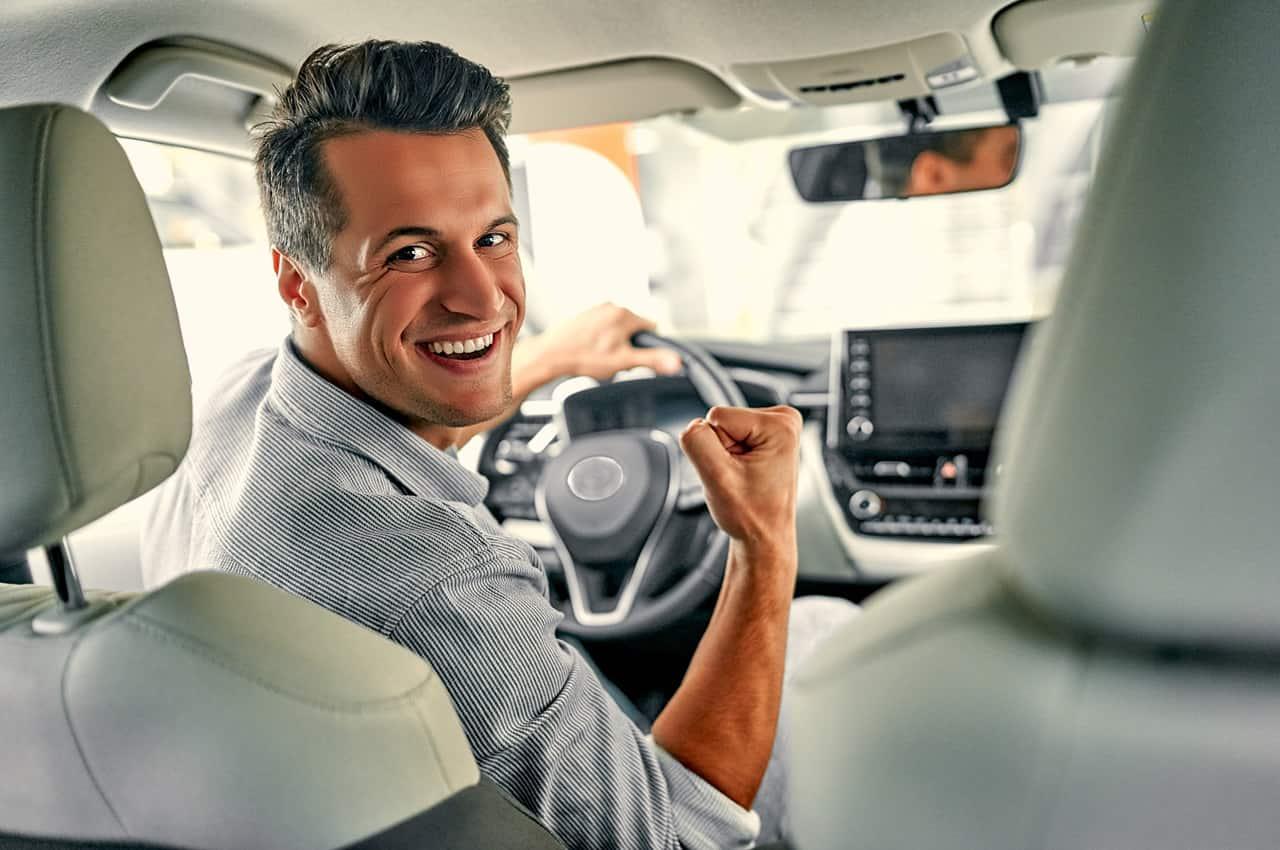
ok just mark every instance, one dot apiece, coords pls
pixel 722 720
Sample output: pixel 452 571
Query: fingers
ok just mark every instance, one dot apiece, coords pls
pixel 630 323
pixel 752 427
pixel 704 446
pixel 664 361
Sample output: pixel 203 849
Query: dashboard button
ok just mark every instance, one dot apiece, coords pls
pixel 859 383
pixel 860 400
pixel 885 468
pixel 859 366
pixel 865 504
pixel 860 428
pixel 859 348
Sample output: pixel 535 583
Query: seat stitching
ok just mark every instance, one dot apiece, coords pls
pixel 435 747
pixel 52 386
pixel 75 738
pixel 153 628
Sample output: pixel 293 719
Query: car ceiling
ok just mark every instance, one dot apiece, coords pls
pixel 62 50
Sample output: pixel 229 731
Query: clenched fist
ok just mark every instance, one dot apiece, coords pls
pixel 747 462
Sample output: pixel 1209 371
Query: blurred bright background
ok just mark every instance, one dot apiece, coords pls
pixel 694 220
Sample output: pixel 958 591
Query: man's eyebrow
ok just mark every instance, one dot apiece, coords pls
pixel 506 219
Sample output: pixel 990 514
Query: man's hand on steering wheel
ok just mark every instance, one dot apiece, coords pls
pixel 597 343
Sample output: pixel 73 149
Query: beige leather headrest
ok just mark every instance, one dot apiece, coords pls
pixel 95 402
pixel 1142 470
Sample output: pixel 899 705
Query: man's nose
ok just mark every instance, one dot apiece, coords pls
pixel 471 286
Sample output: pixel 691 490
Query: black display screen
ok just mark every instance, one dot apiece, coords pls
pixel 950 383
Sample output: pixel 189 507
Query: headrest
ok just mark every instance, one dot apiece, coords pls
pixel 1141 470
pixel 96 396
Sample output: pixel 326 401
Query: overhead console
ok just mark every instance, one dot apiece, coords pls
pixel 892 72
pixel 910 426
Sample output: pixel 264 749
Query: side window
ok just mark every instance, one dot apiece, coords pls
pixel 206 211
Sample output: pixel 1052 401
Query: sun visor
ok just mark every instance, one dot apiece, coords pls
pixel 909 69
pixel 195 93
pixel 1036 33
pixel 627 90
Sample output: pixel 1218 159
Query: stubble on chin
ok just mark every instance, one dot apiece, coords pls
pixel 436 412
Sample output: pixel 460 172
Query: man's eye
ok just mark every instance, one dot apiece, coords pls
pixel 493 240
pixel 410 254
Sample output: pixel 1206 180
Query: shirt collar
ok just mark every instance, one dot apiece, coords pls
pixel 315 406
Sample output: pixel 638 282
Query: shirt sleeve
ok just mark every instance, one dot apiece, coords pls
pixel 542 726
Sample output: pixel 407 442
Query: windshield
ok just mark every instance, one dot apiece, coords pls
pixel 696 222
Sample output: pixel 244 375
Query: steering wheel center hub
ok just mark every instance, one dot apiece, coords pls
pixel 595 478
pixel 604 494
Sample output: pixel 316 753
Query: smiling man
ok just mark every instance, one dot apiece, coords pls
pixel 324 467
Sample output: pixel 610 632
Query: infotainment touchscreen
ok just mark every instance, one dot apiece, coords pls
pixel 924 387
pixel 953 383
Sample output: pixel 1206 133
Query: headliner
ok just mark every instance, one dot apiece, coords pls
pixel 63 49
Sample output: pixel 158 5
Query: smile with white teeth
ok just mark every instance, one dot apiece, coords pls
pixel 463 349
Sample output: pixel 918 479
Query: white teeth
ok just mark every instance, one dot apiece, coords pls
pixel 468 346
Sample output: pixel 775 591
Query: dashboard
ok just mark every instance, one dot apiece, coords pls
pixel 911 420
pixel 895 461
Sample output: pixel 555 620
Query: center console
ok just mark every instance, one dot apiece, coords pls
pixel 910 425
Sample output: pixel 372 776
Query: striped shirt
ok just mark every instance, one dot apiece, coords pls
pixel 294 481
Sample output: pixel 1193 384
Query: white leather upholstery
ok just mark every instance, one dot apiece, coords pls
pixel 218 712
pixel 97 403
pixel 1107 676
pixel 1140 497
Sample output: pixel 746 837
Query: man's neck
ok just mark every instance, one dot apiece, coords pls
pixel 322 360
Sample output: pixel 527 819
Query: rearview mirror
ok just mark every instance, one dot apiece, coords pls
pixel 918 164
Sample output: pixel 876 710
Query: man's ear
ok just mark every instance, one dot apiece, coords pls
pixel 931 174
pixel 297 290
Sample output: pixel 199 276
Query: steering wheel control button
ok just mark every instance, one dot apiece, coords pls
pixel 596 478
pixel 865 504
pixel 860 428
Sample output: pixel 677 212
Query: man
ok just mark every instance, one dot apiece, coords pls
pixel 324 468
pixel 957 160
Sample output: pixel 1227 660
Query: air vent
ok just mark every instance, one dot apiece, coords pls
pixel 854 84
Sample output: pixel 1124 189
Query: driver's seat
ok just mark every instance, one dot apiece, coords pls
pixel 215 712
pixel 1109 677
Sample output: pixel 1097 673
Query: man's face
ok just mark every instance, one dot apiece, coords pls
pixel 995 154
pixel 427 261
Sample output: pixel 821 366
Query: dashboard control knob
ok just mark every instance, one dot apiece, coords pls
pixel 865 504
pixel 860 428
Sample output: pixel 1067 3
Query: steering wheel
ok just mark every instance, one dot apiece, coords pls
pixel 620 515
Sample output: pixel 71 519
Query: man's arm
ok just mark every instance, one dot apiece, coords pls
pixel 595 343
pixel 721 721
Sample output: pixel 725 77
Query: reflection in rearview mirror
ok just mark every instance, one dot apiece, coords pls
pixel 910 166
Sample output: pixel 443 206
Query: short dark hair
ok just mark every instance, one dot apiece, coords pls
pixel 897 155
pixel 416 87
